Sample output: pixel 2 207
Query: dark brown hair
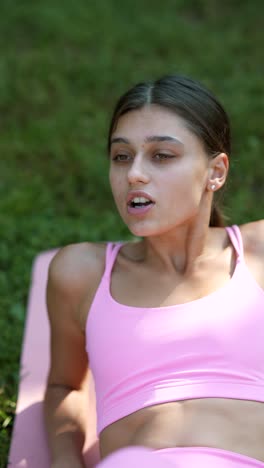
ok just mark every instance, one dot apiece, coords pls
pixel 189 99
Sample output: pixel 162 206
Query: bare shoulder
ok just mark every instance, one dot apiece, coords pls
pixel 76 268
pixel 72 273
pixel 253 237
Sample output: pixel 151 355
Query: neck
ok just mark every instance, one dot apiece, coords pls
pixel 180 249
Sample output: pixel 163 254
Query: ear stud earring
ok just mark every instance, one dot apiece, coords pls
pixel 213 186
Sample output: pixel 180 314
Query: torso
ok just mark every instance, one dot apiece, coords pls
pixel 235 425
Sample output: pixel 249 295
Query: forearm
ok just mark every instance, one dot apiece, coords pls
pixel 65 419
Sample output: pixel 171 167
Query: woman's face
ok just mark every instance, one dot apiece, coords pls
pixel 154 152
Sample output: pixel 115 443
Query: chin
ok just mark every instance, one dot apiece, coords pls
pixel 141 230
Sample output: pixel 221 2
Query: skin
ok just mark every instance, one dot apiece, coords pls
pixel 177 174
pixel 179 259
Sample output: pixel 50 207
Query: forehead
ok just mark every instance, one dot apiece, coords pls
pixel 151 120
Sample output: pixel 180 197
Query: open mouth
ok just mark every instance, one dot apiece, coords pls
pixel 140 204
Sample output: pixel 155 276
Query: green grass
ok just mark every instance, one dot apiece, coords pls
pixel 62 67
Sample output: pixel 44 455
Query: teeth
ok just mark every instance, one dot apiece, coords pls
pixel 140 200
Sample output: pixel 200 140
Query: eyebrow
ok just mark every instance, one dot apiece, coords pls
pixel 149 139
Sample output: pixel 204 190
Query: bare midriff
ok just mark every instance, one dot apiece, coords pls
pixel 234 425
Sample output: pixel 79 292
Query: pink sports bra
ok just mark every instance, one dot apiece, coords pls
pixel 210 347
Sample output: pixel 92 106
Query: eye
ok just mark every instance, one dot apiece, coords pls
pixel 121 157
pixel 163 156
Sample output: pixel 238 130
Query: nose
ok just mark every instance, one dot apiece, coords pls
pixel 138 172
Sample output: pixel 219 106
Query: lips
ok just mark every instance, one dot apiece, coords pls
pixel 138 193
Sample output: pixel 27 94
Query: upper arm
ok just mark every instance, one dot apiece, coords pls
pixel 69 360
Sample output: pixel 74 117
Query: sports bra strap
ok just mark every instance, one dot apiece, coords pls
pixel 110 256
pixel 236 239
pixel 112 248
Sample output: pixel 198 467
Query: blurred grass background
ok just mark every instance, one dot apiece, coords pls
pixel 62 67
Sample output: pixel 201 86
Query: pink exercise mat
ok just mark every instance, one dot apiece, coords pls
pixel 29 446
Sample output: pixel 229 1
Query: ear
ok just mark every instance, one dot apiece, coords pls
pixel 218 170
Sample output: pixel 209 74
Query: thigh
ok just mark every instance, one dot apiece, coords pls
pixel 135 457
pixel 178 457
pixel 207 457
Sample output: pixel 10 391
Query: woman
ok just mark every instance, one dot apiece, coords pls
pixel 171 326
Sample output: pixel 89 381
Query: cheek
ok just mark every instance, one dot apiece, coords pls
pixel 116 183
pixel 185 186
pixel 190 174
pixel 174 183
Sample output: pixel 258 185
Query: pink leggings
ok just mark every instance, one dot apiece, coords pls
pixel 179 457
